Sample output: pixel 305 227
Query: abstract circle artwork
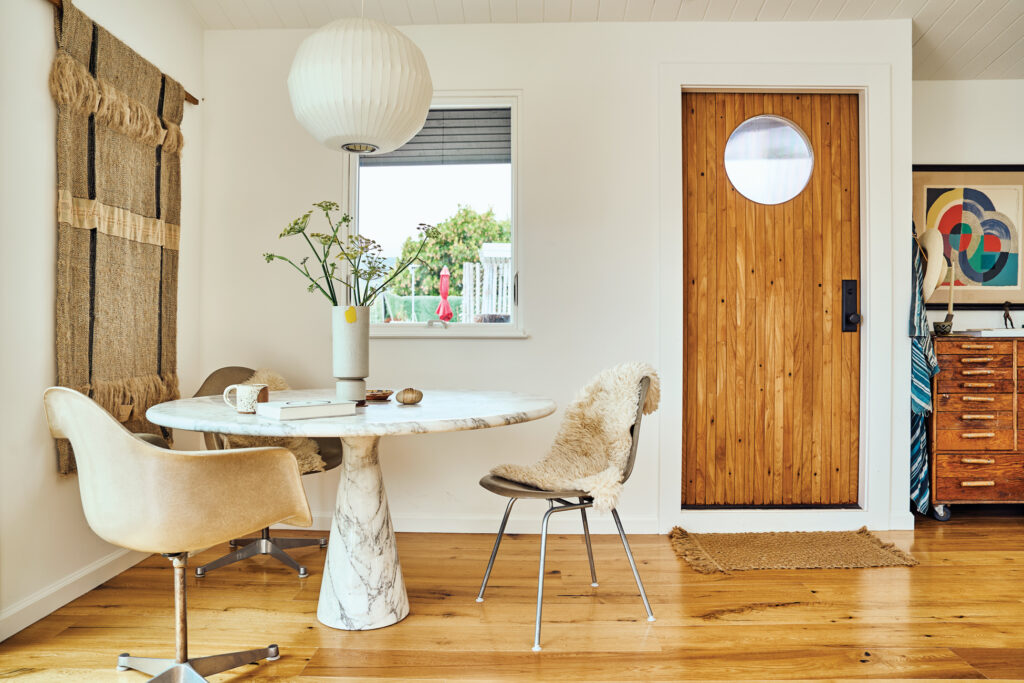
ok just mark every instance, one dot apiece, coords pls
pixel 980 240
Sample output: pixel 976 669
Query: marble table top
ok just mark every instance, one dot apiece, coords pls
pixel 439 411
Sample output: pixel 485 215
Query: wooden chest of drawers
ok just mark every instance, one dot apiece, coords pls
pixel 977 444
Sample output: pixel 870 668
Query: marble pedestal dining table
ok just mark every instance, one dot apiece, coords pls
pixel 362 584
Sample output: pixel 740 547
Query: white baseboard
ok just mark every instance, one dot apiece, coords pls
pixel 521 522
pixel 31 609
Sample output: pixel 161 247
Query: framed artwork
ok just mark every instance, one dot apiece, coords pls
pixel 979 210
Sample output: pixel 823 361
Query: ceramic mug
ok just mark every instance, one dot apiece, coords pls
pixel 247 396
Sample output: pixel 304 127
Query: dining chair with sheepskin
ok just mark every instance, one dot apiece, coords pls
pixel 138 494
pixel 590 460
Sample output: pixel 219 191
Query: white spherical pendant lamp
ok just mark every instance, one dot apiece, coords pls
pixel 361 86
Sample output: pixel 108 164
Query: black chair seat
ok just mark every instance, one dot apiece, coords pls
pixel 513 489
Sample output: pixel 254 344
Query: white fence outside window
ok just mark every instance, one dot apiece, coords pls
pixel 487 285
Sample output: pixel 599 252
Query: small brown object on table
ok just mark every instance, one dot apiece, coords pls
pixel 409 396
pixel 977 453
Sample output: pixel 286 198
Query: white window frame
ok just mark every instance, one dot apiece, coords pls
pixel 457 330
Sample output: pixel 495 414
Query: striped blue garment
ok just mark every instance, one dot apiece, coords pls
pixel 921 372
pixel 920 484
pixel 923 366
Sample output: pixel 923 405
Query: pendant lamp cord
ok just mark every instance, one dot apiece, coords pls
pixel 362 9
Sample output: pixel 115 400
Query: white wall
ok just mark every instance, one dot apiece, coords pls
pixel 590 221
pixel 969 122
pixel 48 555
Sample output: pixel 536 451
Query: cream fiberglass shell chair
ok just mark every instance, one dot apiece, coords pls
pixel 514 491
pixel 140 496
pixel 330 453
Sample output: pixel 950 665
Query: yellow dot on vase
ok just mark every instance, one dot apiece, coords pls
pixel 350 314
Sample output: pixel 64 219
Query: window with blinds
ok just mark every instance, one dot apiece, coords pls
pixel 454 136
pixel 455 174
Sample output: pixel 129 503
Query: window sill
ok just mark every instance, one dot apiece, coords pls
pixel 454 331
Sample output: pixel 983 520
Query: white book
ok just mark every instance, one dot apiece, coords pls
pixel 1007 332
pixel 302 410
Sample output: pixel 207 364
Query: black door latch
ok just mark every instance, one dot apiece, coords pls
pixel 851 317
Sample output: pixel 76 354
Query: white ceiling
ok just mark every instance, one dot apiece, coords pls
pixel 953 39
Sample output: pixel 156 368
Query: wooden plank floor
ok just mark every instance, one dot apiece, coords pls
pixel 960 614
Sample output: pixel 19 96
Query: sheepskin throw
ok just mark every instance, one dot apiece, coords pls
pixel 118 200
pixel 306 451
pixel 593 442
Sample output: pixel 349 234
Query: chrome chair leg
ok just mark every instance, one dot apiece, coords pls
pixel 183 669
pixel 215 664
pixel 265 544
pixel 632 564
pixel 590 551
pixel 243 553
pixel 494 553
pixel 540 576
pixel 564 506
pixel 286 543
pixel 286 559
pixel 151 666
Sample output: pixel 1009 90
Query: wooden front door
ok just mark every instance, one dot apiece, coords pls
pixel 771 382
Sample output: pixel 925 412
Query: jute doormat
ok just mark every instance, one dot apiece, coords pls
pixel 710 553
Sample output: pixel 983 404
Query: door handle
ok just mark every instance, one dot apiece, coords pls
pixel 851 317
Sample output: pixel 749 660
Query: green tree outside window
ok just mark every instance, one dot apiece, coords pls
pixel 457 240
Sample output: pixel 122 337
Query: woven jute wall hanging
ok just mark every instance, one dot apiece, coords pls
pixel 118 217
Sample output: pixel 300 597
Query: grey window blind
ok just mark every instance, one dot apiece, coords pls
pixel 454 136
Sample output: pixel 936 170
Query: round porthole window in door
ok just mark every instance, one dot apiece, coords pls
pixel 769 159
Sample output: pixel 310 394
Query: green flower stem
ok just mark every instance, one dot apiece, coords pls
pixel 327 247
pixel 323 266
pixel 305 272
pixel 355 278
pixel 352 265
pixel 366 288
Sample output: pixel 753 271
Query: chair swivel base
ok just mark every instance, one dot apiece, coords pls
pixel 264 545
pixel 172 671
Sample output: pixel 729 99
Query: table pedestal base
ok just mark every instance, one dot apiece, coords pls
pixel 362 585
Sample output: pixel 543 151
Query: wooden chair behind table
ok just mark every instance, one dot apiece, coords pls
pixel 265 544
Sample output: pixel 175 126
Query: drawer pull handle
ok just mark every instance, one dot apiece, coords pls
pixel 978 435
pixel 978 347
pixel 977 417
pixel 969 373
pixel 978 461
pixel 979 385
pixel 978 399
pixel 977 483
pixel 980 359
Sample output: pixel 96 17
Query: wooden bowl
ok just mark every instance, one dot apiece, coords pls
pixel 378 394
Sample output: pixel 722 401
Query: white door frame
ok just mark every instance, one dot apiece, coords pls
pixel 885 294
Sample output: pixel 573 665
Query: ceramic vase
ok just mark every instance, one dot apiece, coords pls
pixel 350 329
